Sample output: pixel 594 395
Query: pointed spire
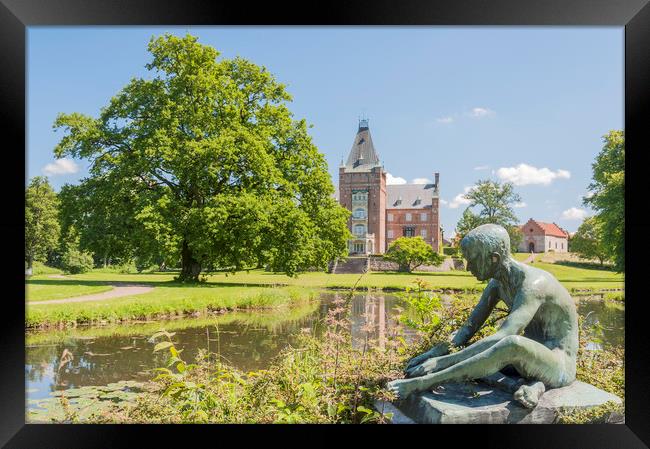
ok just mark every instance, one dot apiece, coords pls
pixel 363 151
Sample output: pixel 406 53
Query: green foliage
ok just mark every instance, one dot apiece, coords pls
pixel 204 160
pixel 319 381
pixel 102 212
pixel 453 251
pixel 75 261
pixel 608 196
pixel 42 227
pixel 604 369
pixel 411 252
pixel 596 415
pixel 587 242
pixel 423 308
pixel 40 268
pixel 495 202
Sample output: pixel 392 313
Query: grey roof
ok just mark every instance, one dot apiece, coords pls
pixel 406 196
pixel 362 154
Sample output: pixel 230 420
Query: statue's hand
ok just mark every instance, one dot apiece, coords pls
pixel 436 351
pixel 426 367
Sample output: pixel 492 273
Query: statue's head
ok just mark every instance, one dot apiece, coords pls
pixel 485 248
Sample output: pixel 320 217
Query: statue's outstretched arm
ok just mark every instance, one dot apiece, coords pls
pixel 522 313
pixel 488 300
pixel 477 318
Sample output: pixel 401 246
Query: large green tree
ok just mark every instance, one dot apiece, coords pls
pixel 220 171
pixel 494 203
pixel 607 195
pixel 411 252
pixel 587 242
pixel 42 227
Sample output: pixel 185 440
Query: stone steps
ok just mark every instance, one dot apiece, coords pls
pixel 352 265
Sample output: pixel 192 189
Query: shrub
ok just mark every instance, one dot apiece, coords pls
pixel 411 252
pixel 451 251
pixel 40 268
pixel 127 267
pixel 75 261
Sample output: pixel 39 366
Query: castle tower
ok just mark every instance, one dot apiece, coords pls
pixel 362 190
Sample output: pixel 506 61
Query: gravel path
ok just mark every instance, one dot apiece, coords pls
pixel 117 292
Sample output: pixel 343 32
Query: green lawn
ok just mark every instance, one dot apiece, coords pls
pixel 166 300
pixel 43 288
pixel 254 289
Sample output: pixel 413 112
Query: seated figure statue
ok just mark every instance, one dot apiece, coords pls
pixel 539 337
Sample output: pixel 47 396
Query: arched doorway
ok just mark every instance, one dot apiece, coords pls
pixel 531 247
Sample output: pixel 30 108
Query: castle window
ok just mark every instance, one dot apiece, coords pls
pixel 408 217
pixel 359 230
pixel 409 232
pixel 423 232
pixel 423 217
pixel 390 233
pixel 390 217
pixel 359 213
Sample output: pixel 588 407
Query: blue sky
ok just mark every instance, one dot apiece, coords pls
pixel 521 104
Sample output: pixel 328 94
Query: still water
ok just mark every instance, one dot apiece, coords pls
pixel 246 340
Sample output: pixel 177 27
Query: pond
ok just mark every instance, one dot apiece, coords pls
pixel 246 340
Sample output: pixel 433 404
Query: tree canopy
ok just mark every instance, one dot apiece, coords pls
pixel 42 226
pixel 607 196
pixel 587 241
pixel 215 168
pixel 411 252
pixel 494 202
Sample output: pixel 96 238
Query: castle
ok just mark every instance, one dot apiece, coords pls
pixel 381 213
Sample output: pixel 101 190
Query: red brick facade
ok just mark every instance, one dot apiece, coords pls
pixel 381 213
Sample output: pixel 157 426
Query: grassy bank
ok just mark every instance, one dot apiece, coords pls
pixel 252 289
pixel 269 319
pixel 166 300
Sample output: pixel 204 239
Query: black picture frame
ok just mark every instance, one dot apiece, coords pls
pixel 634 15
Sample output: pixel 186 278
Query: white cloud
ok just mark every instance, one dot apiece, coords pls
pixel 574 214
pixel 481 112
pixel 444 202
pixel 61 167
pixel 524 174
pixel 460 199
pixel 445 120
pixel 390 179
pixel 519 205
pixel 421 181
pixel 482 167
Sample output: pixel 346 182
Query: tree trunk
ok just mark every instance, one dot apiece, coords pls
pixel 105 260
pixel 190 267
pixel 30 262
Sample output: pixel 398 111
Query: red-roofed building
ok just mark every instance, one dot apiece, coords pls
pixel 540 237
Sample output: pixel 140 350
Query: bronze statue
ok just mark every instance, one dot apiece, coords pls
pixel 539 337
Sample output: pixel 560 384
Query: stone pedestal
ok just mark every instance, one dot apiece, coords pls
pixel 482 403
